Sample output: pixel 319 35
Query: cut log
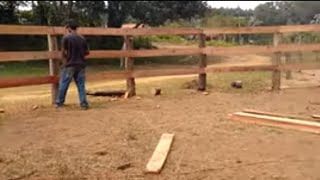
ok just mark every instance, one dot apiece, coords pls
pixel 300 125
pixel 108 93
pixel 252 111
pixel 316 116
pixel 156 91
pixel 160 154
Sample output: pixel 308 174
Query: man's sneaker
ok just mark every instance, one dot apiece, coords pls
pixel 84 107
pixel 58 106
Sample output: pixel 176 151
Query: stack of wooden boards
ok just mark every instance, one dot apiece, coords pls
pixel 276 120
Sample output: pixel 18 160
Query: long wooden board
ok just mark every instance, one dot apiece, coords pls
pixel 15 82
pixel 98 31
pixel 160 154
pixel 263 29
pixel 286 123
pixel 260 49
pixel 253 111
pixel 40 55
pixel 95 31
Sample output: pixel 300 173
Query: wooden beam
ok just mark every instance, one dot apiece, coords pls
pixel 96 31
pixel 15 82
pixel 160 154
pixel 276 60
pixel 27 55
pixel 97 54
pixel 53 66
pixel 144 53
pixel 293 124
pixel 252 111
pixel 263 29
pixel 202 64
pixel 316 116
pixel 260 49
pixel 24 30
pixel 129 65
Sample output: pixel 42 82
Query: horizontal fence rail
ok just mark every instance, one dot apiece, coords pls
pixel 53 54
pixel 211 51
pixel 95 31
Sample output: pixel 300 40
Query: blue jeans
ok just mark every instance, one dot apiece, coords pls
pixel 67 74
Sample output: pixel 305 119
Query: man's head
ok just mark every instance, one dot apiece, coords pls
pixel 71 25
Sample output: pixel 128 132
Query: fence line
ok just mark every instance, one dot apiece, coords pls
pixel 53 55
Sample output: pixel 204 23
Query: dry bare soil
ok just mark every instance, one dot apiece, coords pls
pixel 71 144
pixel 74 144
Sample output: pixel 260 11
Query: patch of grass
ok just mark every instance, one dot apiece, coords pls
pixel 252 81
pixel 176 40
pixel 220 43
pixel 24 69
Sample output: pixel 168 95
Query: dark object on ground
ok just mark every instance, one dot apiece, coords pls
pixel 125 166
pixel 236 84
pixel 156 91
pixel 107 93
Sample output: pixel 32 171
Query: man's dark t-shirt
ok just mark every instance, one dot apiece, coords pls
pixel 75 49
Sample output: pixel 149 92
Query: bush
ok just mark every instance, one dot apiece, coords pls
pixel 142 43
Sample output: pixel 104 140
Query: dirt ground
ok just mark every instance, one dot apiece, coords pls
pixel 74 144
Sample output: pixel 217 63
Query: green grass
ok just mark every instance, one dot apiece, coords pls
pixel 220 43
pixel 252 81
pixel 23 69
pixel 175 40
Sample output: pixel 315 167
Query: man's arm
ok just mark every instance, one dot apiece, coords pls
pixel 64 50
pixel 86 48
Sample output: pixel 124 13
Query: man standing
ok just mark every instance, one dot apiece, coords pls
pixel 74 50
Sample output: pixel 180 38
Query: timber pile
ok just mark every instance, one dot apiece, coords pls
pixel 276 120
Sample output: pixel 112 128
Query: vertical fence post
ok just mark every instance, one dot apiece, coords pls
pixel 202 64
pixel 276 60
pixel 288 61
pixel 129 62
pixel 53 65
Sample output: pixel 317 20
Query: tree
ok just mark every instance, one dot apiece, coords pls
pixel 156 13
pixel 8 11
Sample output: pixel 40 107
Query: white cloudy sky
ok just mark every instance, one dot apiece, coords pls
pixel 235 4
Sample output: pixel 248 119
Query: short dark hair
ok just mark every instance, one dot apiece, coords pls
pixel 71 23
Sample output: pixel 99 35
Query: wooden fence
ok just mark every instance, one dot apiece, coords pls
pixel 130 74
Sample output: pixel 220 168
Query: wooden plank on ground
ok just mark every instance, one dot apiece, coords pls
pixel 160 154
pixel 253 111
pixel 294 124
pixel 316 116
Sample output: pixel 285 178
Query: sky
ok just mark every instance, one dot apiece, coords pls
pixel 235 4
